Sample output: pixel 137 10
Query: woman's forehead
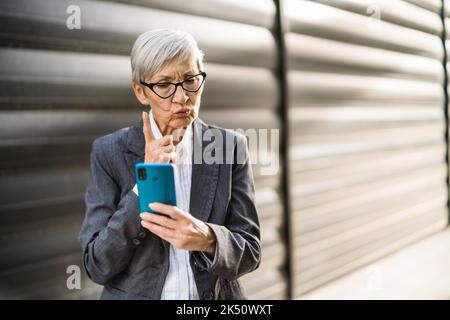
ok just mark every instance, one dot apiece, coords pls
pixel 176 69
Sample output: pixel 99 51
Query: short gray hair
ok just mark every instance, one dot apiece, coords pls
pixel 154 49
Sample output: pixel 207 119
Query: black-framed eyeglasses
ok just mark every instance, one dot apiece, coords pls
pixel 165 90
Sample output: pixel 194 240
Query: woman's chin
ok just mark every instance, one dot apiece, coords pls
pixel 181 122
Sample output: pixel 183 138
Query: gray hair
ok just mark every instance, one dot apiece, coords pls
pixel 155 49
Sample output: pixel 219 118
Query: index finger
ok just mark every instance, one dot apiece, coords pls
pixel 166 140
pixel 148 135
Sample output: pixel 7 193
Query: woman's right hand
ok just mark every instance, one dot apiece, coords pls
pixel 157 150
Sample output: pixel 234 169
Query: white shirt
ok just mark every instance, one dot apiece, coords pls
pixel 180 283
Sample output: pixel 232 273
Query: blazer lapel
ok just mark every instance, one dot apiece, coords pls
pixel 204 177
pixel 135 144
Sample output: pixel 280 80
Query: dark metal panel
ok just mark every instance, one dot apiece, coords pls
pixel 110 27
pixel 61 88
pixel 43 78
pixel 367 148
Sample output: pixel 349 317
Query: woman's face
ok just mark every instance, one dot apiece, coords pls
pixel 180 109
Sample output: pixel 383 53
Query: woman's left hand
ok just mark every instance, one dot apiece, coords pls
pixel 179 228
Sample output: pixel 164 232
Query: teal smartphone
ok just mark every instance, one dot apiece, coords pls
pixel 155 183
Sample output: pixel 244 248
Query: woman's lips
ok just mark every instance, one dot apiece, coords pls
pixel 182 113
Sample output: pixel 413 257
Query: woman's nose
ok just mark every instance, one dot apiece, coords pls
pixel 180 95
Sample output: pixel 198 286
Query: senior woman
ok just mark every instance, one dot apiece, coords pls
pixel 199 248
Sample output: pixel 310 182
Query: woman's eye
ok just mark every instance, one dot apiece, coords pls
pixel 163 85
pixel 192 80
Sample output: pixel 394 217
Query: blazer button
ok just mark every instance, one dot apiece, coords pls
pixel 208 295
pixel 142 234
pixel 136 242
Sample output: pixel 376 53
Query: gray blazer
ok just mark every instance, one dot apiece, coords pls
pixel 131 262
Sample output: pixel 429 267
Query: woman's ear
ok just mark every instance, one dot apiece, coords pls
pixel 139 93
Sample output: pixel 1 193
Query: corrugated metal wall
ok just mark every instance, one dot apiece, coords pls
pixel 368 169
pixel 62 88
pixel 446 42
pixel 367 150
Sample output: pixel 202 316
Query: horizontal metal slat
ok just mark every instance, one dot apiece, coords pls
pixel 224 41
pixel 395 11
pixel 315 19
pixel 349 204
pixel 41 244
pixel 41 187
pixel 27 281
pixel 373 236
pixel 437 150
pixel 254 12
pixel 317 224
pixel 431 5
pixel 329 86
pixel 306 53
pixel 412 171
pixel 390 245
pixel 364 215
pixel 79 79
pixel 314 220
pixel 271 285
pixel 351 241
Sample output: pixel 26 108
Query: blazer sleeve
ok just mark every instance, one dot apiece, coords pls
pixel 111 227
pixel 238 249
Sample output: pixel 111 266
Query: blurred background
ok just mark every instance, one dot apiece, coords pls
pixel 358 89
